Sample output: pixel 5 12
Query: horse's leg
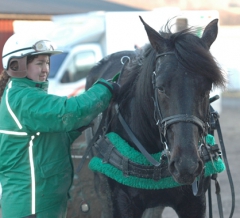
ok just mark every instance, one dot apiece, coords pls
pixel 155 212
pixel 104 194
pixel 192 206
pixel 126 203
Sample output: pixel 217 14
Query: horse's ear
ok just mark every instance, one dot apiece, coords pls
pixel 210 33
pixel 157 41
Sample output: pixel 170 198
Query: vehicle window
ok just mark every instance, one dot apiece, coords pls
pixel 55 63
pixel 79 66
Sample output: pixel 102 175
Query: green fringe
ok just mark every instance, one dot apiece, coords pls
pixel 122 146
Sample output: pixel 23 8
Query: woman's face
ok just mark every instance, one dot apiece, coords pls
pixel 38 69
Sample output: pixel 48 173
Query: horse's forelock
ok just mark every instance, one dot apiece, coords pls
pixel 194 56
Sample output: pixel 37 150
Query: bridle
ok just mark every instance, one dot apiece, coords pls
pixel 164 123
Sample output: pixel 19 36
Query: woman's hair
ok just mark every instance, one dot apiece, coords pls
pixel 4 77
pixel 31 58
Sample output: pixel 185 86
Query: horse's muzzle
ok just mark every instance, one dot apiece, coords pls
pixel 185 171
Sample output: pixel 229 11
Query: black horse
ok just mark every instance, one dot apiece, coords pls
pixel 163 106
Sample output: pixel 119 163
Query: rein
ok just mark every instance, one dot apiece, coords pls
pixel 215 125
pixel 135 140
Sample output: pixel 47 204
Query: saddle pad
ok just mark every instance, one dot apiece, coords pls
pixel 96 164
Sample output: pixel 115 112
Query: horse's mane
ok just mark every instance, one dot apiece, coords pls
pixel 137 76
pixel 190 51
pixel 195 57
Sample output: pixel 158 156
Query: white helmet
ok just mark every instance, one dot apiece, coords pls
pixel 19 46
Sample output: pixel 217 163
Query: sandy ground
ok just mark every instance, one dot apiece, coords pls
pixel 230 124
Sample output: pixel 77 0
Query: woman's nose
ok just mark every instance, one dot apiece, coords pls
pixel 45 68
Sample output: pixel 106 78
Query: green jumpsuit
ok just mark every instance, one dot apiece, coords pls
pixel 36 131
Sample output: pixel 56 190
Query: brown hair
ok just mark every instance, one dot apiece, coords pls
pixel 31 58
pixel 4 77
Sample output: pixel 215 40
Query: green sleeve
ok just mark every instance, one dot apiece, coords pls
pixel 42 112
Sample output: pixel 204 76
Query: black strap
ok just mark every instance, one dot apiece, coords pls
pixel 220 137
pixel 106 85
pixel 218 193
pixel 87 151
pixel 135 140
pixel 129 168
pixel 210 201
pixel 165 53
pixel 208 153
pixel 22 49
pixel 90 144
pixel 183 118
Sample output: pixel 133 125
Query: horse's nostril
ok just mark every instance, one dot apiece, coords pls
pixel 176 169
pixel 172 167
pixel 199 168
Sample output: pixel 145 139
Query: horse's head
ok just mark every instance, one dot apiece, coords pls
pixel 184 75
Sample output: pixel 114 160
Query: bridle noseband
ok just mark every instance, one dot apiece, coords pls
pixel 168 121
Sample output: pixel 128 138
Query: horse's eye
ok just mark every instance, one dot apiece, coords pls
pixel 161 90
pixel 206 94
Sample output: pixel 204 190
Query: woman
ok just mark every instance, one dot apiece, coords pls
pixel 37 129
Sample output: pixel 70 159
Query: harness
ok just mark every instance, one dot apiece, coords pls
pixel 159 169
pixel 128 166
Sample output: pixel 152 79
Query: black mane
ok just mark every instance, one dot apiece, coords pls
pixel 193 54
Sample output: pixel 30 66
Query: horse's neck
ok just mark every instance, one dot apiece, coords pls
pixel 151 143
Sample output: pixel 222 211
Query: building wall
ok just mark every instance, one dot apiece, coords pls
pixel 6 30
pixel 229 10
pixel 183 4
